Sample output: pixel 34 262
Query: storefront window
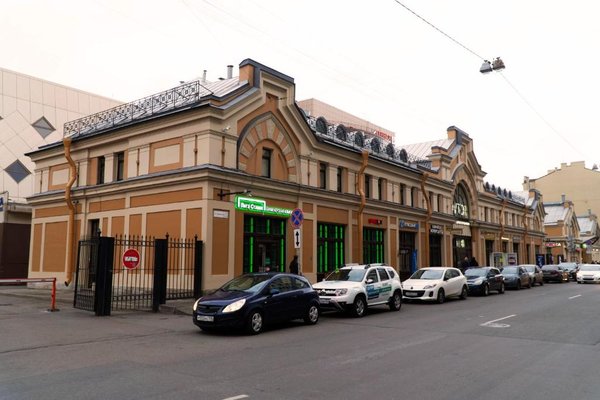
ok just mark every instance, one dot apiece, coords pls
pixel 264 244
pixel 373 251
pixel 435 250
pixel 330 247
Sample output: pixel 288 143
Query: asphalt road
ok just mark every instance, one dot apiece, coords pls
pixel 539 343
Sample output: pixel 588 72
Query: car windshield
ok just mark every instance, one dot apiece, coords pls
pixel 347 274
pixel 475 272
pixel 246 283
pixel 428 274
pixel 510 270
pixel 529 268
pixel 586 267
pixel 549 268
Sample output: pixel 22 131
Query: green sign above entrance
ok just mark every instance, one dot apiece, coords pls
pixel 259 206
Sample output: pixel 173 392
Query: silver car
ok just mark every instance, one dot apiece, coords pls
pixel 535 273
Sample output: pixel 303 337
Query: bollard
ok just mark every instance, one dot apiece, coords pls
pixel 53 297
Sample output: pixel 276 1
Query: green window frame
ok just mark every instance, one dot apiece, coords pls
pixel 373 245
pixel 257 228
pixel 331 240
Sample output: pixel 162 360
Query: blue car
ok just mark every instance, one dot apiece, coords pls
pixel 253 300
pixel 481 280
pixel 516 277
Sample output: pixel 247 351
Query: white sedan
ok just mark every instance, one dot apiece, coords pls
pixel 435 284
pixel 588 273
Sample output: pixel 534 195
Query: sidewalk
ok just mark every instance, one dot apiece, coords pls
pixel 64 298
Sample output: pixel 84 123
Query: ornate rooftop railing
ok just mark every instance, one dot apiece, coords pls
pixel 179 97
pixel 338 133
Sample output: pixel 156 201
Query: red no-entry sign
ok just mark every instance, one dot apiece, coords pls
pixel 131 258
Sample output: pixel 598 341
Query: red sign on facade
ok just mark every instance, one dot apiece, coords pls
pixel 131 258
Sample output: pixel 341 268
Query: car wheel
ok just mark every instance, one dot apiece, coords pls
pixel 541 283
pixel 441 296
pixel 359 307
pixel 578 282
pixel 254 325
pixel 464 293
pixel 529 285
pixel 501 290
pixel 312 315
pixel 486 289
pixel 518 285
pixel 396 301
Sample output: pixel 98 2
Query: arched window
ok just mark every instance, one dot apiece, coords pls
pixel 460 205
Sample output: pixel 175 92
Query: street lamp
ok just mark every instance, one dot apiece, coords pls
pixel 496 65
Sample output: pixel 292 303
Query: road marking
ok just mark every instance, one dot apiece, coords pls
pixel 493 324
pixel 241 396
pixel 573 297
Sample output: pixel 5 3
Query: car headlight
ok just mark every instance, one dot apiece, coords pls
pixel 341 292
pixel 430 286
pixel 478 281
pixel 195 306
pixel 236 305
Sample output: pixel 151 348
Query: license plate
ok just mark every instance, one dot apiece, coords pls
pixel 205 318
pixel 324 301
pixel 410 294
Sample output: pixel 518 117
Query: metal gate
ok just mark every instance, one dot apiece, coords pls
pixel 165 269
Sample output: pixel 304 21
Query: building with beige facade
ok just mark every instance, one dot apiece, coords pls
pixel 32 114
pixel 579 184
pixel 562 232
pixel 230 162
pixel 579 187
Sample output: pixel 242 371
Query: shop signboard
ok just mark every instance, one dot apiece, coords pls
pixel 436 229
pixel 259 206
pixel 408 224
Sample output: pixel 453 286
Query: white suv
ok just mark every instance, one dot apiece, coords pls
pixel 353 288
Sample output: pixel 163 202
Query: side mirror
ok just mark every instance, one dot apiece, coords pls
pixel 274 291
pixel 369 281
pixel 446 278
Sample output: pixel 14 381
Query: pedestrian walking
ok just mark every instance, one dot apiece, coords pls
pixel 474 262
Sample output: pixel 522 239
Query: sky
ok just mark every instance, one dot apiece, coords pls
pixel 374 59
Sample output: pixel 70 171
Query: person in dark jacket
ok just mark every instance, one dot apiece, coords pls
pixel 474 262
pixel 464 264
pixel 294 266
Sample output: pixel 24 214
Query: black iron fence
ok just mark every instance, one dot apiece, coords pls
pixel 136 273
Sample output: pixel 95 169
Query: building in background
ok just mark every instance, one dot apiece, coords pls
pixel 589 233
pixel 32 114
pixel 563 242
pixel 231 162
pixel 579 184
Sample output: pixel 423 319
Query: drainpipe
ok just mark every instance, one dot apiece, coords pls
pixel 428 218
pixel 502 222
pixel 363 202
pixel 526 234
pixel 71 223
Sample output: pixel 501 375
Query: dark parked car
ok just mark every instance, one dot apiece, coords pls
pixel 535 273
pixel 555 273
pixel 516 277
pixel 481 280
pixel 250 301
pixel 572 268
